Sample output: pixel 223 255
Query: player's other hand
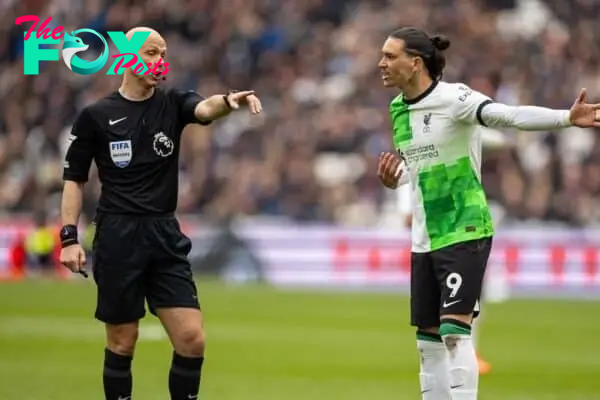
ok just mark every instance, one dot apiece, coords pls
pixel 73 257
pixel 388 169
pixel 584 115
pixel 248 98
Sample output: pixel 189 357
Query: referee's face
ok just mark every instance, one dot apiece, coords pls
pixel 397 67
pixel 152 51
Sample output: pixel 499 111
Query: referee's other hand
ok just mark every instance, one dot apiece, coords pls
pixel 389 170
pixel 246 97
pixel 73 257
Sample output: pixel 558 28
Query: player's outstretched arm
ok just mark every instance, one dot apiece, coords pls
pixel 220 105
pixel 473 107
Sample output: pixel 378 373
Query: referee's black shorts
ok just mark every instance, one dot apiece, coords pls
pixel 138 259
pixel 447 281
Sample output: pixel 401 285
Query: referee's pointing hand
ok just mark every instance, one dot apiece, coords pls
pixel 584 115
pixel 73 257
pixel 246 97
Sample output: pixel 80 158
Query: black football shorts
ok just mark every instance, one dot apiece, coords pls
pixel 447 281
pixel 137 260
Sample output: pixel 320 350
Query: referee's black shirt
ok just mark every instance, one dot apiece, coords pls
pixel 135 145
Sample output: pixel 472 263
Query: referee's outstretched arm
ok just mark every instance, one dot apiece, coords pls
pixel 218 106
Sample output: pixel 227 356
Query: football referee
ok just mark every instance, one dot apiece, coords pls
pixel 140 253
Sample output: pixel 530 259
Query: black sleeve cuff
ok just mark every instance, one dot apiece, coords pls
pixel 479 110
pixel 188 108
pixel 75 177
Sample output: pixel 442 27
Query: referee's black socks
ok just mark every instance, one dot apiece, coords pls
pixel 117 376
pixel 184 377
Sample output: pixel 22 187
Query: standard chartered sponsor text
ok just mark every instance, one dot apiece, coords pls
pixel 421 153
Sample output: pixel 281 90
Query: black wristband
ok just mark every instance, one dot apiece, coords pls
pixel 226 98
pixel 68 235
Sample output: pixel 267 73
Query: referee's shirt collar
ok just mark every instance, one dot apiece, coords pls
pixel 121 95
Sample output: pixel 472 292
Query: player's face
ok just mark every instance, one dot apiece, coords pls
pixel 152 51
pixel 397 67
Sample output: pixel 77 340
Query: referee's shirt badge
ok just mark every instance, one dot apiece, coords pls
pixel 121 153
pixel 163 145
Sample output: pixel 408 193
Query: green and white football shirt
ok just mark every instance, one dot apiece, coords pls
pixel 437 136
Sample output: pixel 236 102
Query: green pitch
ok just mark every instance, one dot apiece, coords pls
pixel 265 344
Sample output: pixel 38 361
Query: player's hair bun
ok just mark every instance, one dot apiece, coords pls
pixel 440 42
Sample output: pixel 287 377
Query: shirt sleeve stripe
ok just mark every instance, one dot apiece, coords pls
pixel 479 110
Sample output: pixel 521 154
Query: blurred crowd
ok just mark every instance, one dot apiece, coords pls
pixel 312 155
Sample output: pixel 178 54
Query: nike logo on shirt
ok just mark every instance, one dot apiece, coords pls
pixel 116 121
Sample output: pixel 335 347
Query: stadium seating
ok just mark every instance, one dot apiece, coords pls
pixel 314 65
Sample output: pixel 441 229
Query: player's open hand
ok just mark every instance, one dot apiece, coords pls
pixel 245 98
pixel 73 257
pixel 388 169
pixel 584 115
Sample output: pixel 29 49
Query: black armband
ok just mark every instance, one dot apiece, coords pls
pixel 226 98
pixel 68 236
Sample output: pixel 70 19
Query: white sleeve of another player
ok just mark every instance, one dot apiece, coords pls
pixel 404 203
pixel 473 107
pixel 403 179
